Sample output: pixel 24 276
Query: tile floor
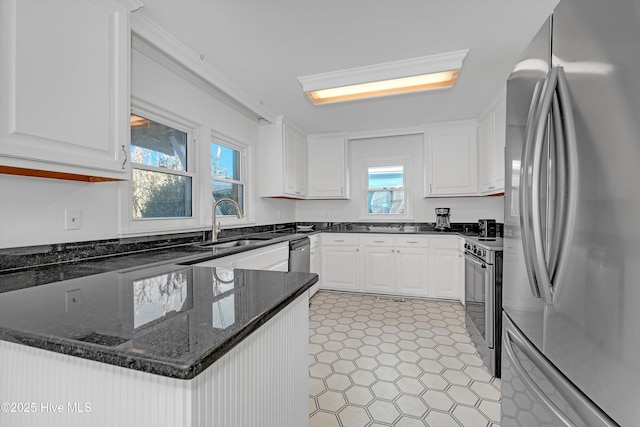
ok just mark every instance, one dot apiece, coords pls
pixel 380 361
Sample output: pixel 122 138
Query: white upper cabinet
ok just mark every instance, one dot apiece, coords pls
pixel 64 86
pixel 327 161
pixel 491 143
pixel 451 164
pixel 283 161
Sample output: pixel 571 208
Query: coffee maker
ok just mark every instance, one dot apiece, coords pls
pixel 442 219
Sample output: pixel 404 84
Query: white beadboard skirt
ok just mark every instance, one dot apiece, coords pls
pixel 263 381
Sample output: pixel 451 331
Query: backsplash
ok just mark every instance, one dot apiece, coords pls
pixel 19 258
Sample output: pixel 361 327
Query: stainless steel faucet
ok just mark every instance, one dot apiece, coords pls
pixel 216 228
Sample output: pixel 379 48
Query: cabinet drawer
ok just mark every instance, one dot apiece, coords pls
pixel 412 241
pixel 340 239
pixel 379 240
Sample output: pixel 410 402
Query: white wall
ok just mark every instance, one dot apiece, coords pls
pixel 463 209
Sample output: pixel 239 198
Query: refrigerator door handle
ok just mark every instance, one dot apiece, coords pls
pixel 525 189
pixel 589 413
pixel 568 186
pixel 550 267
pixel 539 256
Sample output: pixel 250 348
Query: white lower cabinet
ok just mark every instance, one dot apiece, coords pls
pixel 341 261
pixel 447 267
pixel 396 265
pixel 274 257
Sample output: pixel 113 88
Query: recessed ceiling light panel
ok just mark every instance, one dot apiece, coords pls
pixel 411 75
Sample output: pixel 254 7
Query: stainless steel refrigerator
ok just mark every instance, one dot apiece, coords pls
pixel 571 274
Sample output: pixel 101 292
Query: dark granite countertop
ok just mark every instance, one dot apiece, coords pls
pixel 172 320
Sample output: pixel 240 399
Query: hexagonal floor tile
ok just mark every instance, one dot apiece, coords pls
pixel 382 411
pixel 343 366
pixel 456 377
pixel 462 395
pixel 365 362
pixel 362 377
pixel 338 382
pixel 470 417
pixel 411 405
pixel 359 395
pixel 438 400
pixel 331 401
pixel 320 370
pixel 440 419
pixel 385 390
pixel 354 416
pixel 410 385
pixel 386 373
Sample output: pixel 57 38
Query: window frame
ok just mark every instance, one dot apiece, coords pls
pixel 139 226
pixel 185 173
pixel 245 151
pixel 388 162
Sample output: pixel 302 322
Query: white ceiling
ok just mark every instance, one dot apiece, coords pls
pixel 262 46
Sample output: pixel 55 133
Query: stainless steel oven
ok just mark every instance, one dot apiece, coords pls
pixel 483 298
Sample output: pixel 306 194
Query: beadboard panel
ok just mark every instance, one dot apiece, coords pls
pixel 261 382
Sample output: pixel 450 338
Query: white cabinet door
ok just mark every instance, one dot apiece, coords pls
pixel 500 136
pixel 395 264
pixel 283 161
pixel 264 258
pixel 281 266
pixel 446 271
pixel 461 277
pixel 412 271
pixel 451 165
pixel 341 267
pixel 486 153
pixel 301 165
pixel 379 269
pixel 491 143
pixel 267 258
pixel 327 161
pixel 64 86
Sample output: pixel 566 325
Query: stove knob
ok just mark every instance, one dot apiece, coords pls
pixel 475 250
pixel 484 253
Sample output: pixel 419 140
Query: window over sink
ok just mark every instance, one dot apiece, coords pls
pixel 162 180
pixel 386 189
pixel 227 177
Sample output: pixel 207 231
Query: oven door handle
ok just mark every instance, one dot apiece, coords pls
pixel 489 292
pixel 474 260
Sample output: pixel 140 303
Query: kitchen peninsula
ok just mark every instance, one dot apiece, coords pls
pixel 162 345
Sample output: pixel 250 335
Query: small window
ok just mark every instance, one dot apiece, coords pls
pixel 161 178
pixel 227 177
pixel 386 190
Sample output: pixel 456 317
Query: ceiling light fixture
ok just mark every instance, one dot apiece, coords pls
pixel 411 75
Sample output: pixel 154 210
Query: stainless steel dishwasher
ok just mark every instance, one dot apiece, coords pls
pixel 299 255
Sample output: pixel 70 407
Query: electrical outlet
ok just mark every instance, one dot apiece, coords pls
pixel 73 300
pixel 72 219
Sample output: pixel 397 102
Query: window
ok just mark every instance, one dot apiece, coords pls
pixel 385 193
pixel 227 177
pixel 161 176
pixel 386 190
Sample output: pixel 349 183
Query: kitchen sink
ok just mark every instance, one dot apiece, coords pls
pixel 234 243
